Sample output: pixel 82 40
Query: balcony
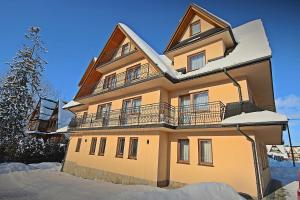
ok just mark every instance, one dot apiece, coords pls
pixel 117 53
pixel 144 73
pixel 160 114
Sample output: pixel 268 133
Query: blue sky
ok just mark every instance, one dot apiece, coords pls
pixel 74 31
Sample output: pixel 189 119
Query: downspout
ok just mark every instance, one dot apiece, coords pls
pixel 291 146
pixel 257 176
pixel 236 84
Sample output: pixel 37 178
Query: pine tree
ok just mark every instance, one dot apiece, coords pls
pixel 18 91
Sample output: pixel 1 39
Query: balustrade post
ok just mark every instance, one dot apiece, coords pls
pixel 91 121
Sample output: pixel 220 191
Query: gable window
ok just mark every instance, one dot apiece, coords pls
pixel 78 145
pixel 196 61
pixel 102 146
pixel 205 152
pixel 183 151
pixel 120 147
pixel 133 73
pixel 110 82
pixel 133 145
pixel 93 146
pixel 195 28
pixel 125 49
pixel 103 112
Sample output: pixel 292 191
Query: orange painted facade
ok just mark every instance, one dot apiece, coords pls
pixel 155 115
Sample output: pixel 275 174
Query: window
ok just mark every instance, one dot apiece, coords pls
pixel 120 147
pixel 84 117
pixel 110 82
pixel 132 106
pixel 185 115
pixel 195 28
pixel 205 152
pixel 102 146
pixel 125 49
pixel 200 101
pixel 93 146
pixel 78 145
pixel 183 151
pixel 133 145
pixel 196 61
pixel 103 112
pixel 133 73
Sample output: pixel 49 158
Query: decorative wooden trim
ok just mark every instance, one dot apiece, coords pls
pixel 192 24
pixel 199 153
pixel 178 152
pixel 102 139
pixel 192 55
pixel 118 146
pixel 130 146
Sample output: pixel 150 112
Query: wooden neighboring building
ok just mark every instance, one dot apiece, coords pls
pixel 49 120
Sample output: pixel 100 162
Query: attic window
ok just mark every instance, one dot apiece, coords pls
pixel 195 28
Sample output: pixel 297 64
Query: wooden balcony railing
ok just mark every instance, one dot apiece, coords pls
pixel 121 80
pixel 117 53
pixel 158 114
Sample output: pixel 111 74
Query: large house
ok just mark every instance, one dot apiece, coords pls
pixel 203 111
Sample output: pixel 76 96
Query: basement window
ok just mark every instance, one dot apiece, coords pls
pixel 93 146
pixel 133 145
pixel 102 146
pixel 78 145
pixel 120 147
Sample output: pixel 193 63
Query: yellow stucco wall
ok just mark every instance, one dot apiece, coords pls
pixel 145 166
pixel 212 50
pixel 149 97
pixel 224 92
pixel 232 161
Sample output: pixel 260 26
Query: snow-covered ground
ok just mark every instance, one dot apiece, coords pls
pixel 284 171
pixel 45 181
pixel 15 166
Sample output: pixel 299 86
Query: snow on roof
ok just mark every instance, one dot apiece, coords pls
pixel 162 62
pixel 46 109
pixel 261 117
pixel 71 104
pixel 62 130
pixel 252 45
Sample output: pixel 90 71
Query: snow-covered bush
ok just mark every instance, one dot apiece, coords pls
pixel 32 150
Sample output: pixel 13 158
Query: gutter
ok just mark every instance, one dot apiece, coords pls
pixel 236 84
pixel 254 151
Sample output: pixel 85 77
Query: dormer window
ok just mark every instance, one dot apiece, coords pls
pixel 196 61
pixel 195 28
